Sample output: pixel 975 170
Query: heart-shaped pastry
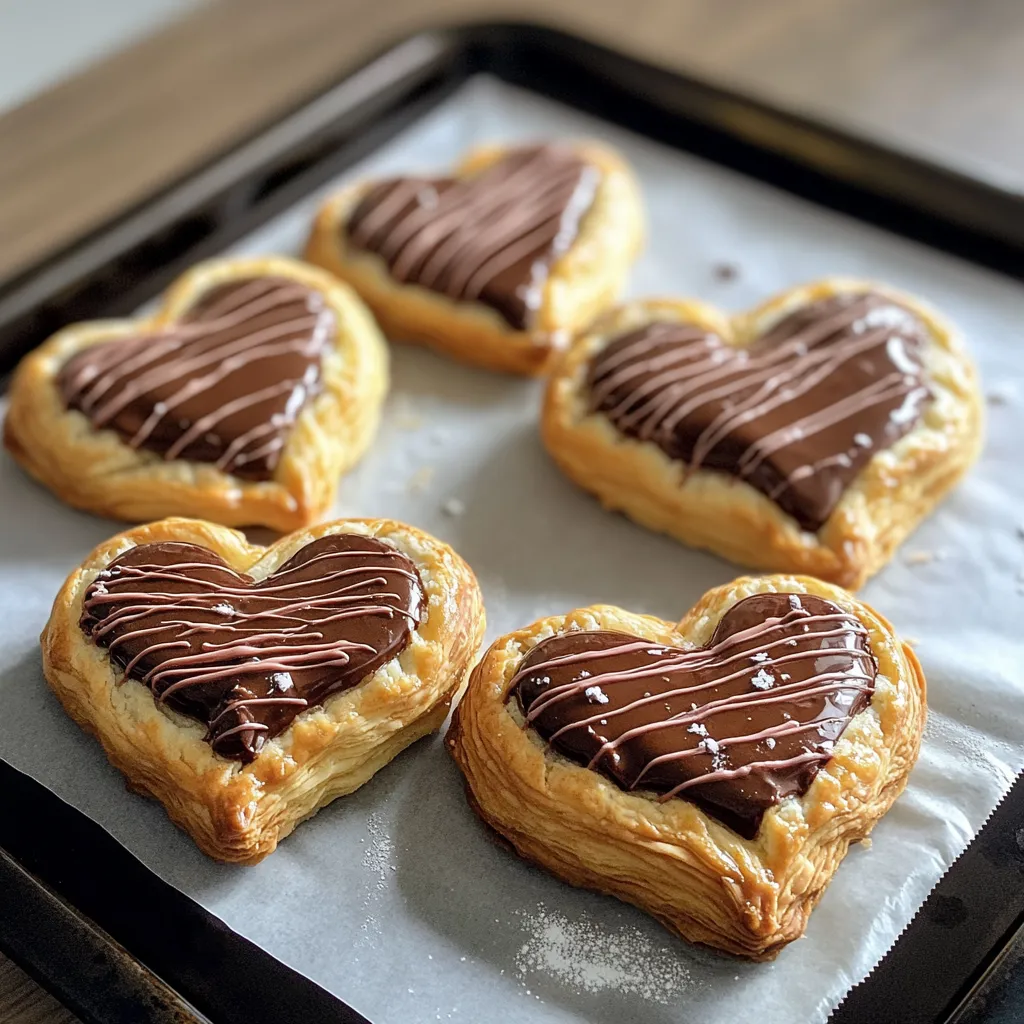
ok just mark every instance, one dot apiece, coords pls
pixel 255 385
pixel 736 725
pixel 713 773
pixel 245 656
pixel 245 687
pixel 497 265
pixel 812 434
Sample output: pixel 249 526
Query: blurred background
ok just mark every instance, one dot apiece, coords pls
pixel 45 41
pixel 102 102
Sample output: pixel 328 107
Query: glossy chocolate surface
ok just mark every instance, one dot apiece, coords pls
pixel 797 414
pixel 224 385
pixel 734 726
pixel 246 657
pixel 489 238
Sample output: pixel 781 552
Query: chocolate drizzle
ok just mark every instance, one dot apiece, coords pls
pixel 796 414
pixel 246 657
pixel 734 726
pixel 489 238
pixel 224 385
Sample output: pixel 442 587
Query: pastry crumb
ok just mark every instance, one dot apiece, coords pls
pixel 865 843
pixel 453 507
pixel 420 480
pixel 912 641
pixel 920 557
pixel 404 413
pixel 726 271
pixel 1001 394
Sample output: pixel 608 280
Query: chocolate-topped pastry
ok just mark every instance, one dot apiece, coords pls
pixel 718 787
pixel 734 726
pixel 241 398
pixel 245 657
pixel 497 264
pixel 223 385
pixel 797 413
pixel 308 664
pixel 810 435
pixel 489 238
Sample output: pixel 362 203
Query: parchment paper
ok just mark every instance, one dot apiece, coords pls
pixel 395 898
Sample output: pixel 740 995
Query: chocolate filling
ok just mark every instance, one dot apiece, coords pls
pixel 246 657
pixel 734 726
pixel 797 414
pixel 489 238
pixel 222 385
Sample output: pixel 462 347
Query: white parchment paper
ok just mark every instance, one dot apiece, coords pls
pixel 396 898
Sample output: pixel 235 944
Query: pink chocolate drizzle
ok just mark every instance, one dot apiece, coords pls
pixel 797 414
pixel 489 238
pixel 734 726
pixel 246 657
pixel 224 385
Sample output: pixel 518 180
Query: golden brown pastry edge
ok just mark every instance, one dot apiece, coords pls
pixel 238 813
pixel 707 509
pixel 97 471
pixel 583 283
pixel 703 881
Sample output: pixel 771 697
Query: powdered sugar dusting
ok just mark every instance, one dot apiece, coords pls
pixel 378 857
pixel 379 864
pixel 984 753
pixel 591 957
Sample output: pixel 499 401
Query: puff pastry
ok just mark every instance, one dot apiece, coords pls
pixel 242 399
pixel 247 687
pixel 811 434
pixel 497 266
pixel 753 761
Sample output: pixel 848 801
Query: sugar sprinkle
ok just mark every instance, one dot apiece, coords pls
pixel 589 957
pixel 378 858
pixel 379 863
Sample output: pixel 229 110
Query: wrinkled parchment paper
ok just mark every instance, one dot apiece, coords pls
pixel 395 898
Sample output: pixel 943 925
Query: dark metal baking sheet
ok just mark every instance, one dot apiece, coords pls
pixel 83 916
pixel 954 959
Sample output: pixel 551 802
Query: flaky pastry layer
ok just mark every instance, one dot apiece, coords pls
pixel 97 471
pixel 582 283
pixel 237 812
pixel 710 509
pixel 697 876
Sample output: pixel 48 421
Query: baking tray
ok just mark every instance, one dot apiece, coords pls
pixel 78 909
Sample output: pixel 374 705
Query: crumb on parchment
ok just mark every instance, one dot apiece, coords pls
pixel 420 480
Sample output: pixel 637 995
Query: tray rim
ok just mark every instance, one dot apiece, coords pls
pixel 437 61
pixel 985 216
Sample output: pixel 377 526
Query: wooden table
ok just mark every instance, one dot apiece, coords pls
pixel 939 77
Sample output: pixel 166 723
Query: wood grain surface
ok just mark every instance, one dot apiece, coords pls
pixel 938 77
pixel 22 1001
